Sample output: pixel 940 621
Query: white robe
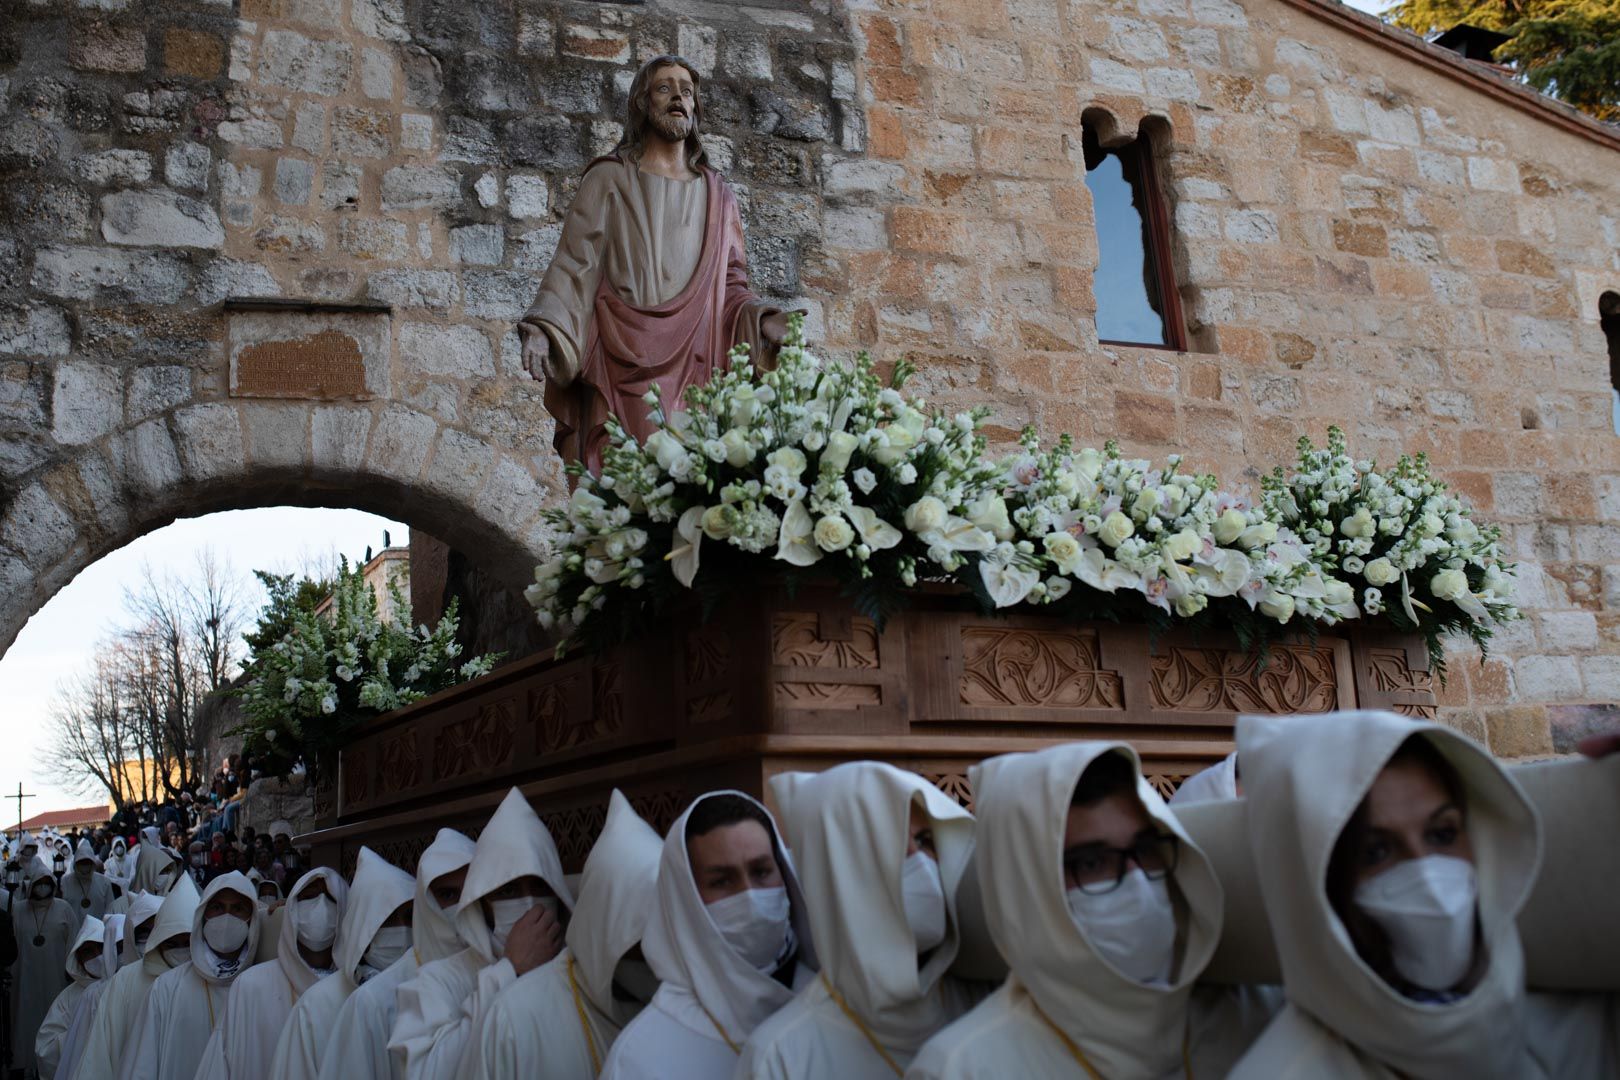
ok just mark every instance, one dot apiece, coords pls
pixel 358 1047
pixel 378 891
pixel 441 1008
pixel 849 830
pixel 123 996
pixel 78 1029
pixel 1219 781
pixel 1060 988
pixel 558 1021
pixel 710 999
pixel 92 897
pixel 52 1030
pixel 187 1004
pixel 244 1043
pixel 120 867
pixel 39 972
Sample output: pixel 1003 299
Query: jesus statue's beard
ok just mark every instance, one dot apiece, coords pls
pixel 672 127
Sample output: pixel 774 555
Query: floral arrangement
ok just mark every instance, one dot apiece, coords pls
pixel 333 669
pixel 825 468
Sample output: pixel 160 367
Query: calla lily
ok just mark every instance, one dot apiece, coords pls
pixel 683 558
pixel 876 533
pixel 1006 581
pixel 1104 574
pixel 1223 572
pixel 795 541
pixel 959 534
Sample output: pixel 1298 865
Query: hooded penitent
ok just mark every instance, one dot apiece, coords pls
pixel 849 828
pixel 558 1021
pixel 139 920
pixel 1303 778
pixel 120 867
pixel 121 1002
pixel 442 1006
pixel 358 1046
pixel 156 868
pixel 710 998
pixel 1065 1009
pixel 84 1015
pixel 45 928
pixel 364 950
pixel 187 1004
pixel 1219 781
pixel 86 890
pixel 249 1030
pixel 48 1042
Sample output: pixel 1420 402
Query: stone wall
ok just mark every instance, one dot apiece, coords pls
pixel 1366 232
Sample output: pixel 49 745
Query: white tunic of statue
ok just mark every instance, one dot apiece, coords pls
pixel 441 1008
pixel 379 889
pixel 558 1021
pixel 710 999
pixel 44 929
pixel 358 1047
pixel 121 1001
pixel 48 1042
pixel 1062 1000
pixel 185 1005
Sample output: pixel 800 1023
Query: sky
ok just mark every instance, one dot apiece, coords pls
pixel 59 641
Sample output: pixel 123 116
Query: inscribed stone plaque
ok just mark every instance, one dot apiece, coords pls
pixel 309 354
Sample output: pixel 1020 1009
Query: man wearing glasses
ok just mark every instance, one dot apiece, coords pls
pixel 1106 914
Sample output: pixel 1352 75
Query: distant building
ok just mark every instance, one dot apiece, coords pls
pixel 78 818
pixel 390 565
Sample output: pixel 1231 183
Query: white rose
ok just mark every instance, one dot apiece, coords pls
pixel 1257 535
pixel 840 445
pixel 990 513
pixel 1183 545
pixel 1229 526
pixel 1116 529
pixel 865 480
pixel 1430 525
pixel 1381 572
pixel 1191 604
pixel 668 452
pixel 1147 503
pixel 925 515
pixel 789 458
pixel 1064 550
pixel 1449 584
pixel 715 525
pixel 1337 592
pixel 833 534
pixel 1278 606
pixel 1359 524
pixel 739 451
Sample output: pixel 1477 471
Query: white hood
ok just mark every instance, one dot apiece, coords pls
pixel 112 943
pixel 617 893
pixel 91 929
pixel 848 829
pixel 686 949
pixel 1125 1028
pixel 208 965
pixel 433 931
pixel 150 859
pixel 379 889
pixel 1303 779
pixel 85 852
pixel 293 965
pixel 1219 781
pixel 174 917
pixel 144 906
pixel 32 871
pixel 515 844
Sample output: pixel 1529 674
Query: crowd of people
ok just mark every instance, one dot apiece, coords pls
pixel 871 927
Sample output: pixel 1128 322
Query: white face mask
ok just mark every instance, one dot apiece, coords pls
pixel 225 934
pixel 1132 927
pixel 1429 908
pixel 924 897
pixel 506 914
pixel 93 967
pixel 755 923
pixel 317 922
pixel 388 945
pixel 175 955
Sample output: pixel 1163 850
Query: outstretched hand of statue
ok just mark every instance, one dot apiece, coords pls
pixel 536 350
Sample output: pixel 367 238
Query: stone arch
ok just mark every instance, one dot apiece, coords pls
pixel 204 457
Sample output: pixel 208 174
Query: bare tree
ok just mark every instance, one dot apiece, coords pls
pixel 93 733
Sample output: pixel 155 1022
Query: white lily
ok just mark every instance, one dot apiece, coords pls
pixel 683 558
pixel 795 541
pixel 876 533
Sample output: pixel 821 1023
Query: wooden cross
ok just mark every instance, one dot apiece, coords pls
pixel 19 797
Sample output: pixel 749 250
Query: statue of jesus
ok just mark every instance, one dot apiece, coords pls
pixel 649 285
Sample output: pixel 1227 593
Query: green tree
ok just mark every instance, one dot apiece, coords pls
pixel 1567 48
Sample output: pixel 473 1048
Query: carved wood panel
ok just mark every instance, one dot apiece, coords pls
pixel 1041 669
pixel 708 660
pixel 399 766
pixel 356 775
pixel 1294 679
pixel 476 744
pixel 1391 672
pixel 796 641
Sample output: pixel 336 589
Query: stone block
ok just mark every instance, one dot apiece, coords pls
pixel 488 189
pixel 596 43
pixel 1521 731
pixel 156 389
pixel 527 196
pixel 239 181
pixel 376 74
pixel 400 441
pixel 97 45
pixel 856 228
pixel 36 527
pixel 156 217
pixel 424 82
pixel 1570 724
pixel 87 401
pixel 455 351
pixel 698 43
pixel 1173 84
pixel 340 185
pixel 308 355
pixel 789 116
pixel 535 248
pixel 295 179
pixel 193 53
pixel 1547 678
pixel 416 131
pixel 460 464
pixel 435 290
pixel 151 462
pixel 309 127
pixel 255 134
pixel 1492 174
pixel 186 164
pixel 483 245
pixel 413 187
pixel 290 236
pixel 383 19
pixel 498 294
pixel 34 331
pixel 544 142
pixel 373 238
pixel 111 275
pixel 277 435
pixel 114 167
pixel 26 143
pixel 1112 75
pixel 291 60
pixel 24 394
pixel 337 437
pixel 862 177
pixel 223 278
pixel 1565 631
pixel 209 438
pixel 1251 226
pixel 747 56
pixel 363 133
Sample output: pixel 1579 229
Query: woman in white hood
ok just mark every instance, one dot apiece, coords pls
pixel 730 943
pixel 511 916
pixel 244 1042
pixel 45 928
pixel 376 932
pixel 163 941
pixel 1106 914
pixel 358 1046
pixel 86 963
pixel 186 1004
pixel 881 852
pixel 1393 856
pixel 558 1021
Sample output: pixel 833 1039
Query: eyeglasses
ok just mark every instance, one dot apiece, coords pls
pixel 1098 869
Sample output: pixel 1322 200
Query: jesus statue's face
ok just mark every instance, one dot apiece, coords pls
pixel 672 102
